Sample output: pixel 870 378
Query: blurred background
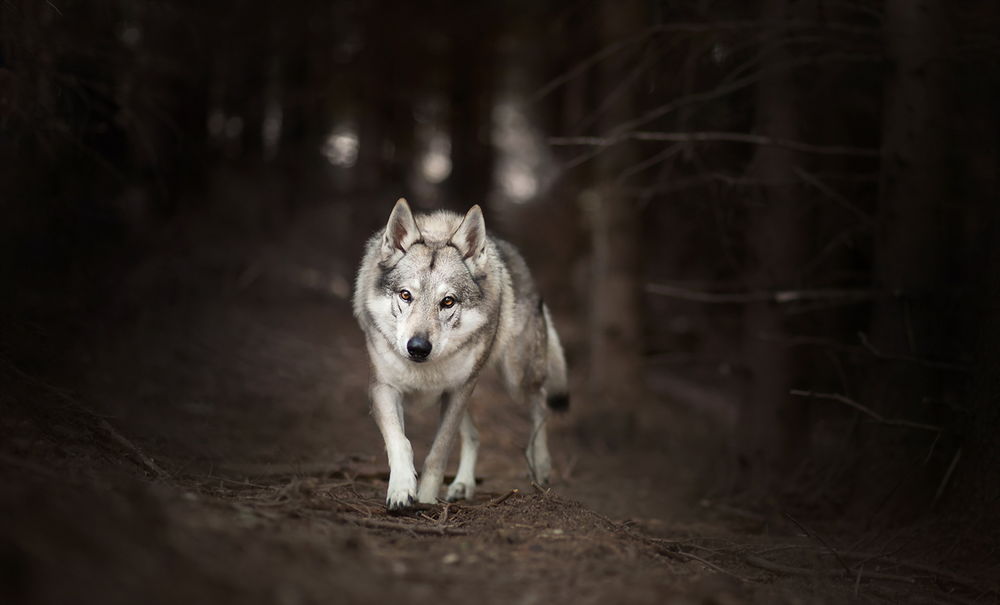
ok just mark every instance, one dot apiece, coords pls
pixel 769 225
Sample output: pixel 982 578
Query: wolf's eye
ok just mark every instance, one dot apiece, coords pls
pixel 405 295
pixel 447 302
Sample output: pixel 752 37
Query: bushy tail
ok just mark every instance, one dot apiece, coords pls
pixel 556 383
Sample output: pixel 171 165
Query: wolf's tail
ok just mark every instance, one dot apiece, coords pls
pixel 556 382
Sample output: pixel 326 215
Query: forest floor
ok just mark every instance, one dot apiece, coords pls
pixel 217 447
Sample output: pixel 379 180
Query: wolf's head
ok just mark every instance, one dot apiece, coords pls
pixel 432 281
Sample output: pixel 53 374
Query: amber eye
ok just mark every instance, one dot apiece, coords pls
pixel 447 302
pixel 405 295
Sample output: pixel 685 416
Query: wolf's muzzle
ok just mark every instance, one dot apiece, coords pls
pixel 418 348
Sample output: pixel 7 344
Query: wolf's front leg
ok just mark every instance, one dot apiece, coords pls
pixel 452 410
pixel 387 406
pixel 464 485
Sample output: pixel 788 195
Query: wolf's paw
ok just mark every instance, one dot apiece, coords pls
pixel 399 501
pixel 540 468
pixel 543 479
pixel 461 491
pixel 401 495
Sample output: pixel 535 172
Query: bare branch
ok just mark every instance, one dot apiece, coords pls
pixel 709 178
pixel 863 216
pixel 691 28
pixel 946 478
pixel 657 158
pixel 779 296
pixel 733 137
pixel 795 340
pixel 940 365
pixel 736 85
pixel 621 88
pixel 715 93
pixel 586 64
pixel 841 239
pixel 867 411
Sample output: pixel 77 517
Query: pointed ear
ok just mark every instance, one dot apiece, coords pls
pixel 401 230
pixel 470 237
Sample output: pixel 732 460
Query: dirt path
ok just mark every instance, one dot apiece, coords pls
pixel 253 405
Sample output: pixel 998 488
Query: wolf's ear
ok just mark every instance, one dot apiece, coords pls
pixel 401 230
pixel 470 237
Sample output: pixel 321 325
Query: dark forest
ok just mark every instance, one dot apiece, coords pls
pixel 766 231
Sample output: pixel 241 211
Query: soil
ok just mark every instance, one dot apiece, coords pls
pixel 216 447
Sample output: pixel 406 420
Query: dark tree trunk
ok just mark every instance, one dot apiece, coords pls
pixel 615 313
pixel 911 316
pixel 912 221
pixel 976 485
pixel 473 58
pixel 773 425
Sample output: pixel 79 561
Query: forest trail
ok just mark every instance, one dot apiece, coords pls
pixel 219 449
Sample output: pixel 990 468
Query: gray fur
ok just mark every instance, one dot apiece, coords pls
pixel 496 318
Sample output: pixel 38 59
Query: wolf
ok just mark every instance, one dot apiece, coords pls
pixel 439 299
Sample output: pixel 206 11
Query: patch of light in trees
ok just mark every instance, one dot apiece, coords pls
pixel 341 147
pixel 270 129
pixel 719 53
pixel 435 165
pixel 130 34
pixel 522 155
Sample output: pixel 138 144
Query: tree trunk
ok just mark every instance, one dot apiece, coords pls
pixel 773 425
pixel 911 319
pixel 615 312
pixel 908 260
pixel 473 57
pixel 975 487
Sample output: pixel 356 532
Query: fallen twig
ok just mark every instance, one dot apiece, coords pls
pixel 713 566
pixel 933 570
pixel 98 423
pixel 354 466
pixel 356 508
pixel 418 529
pixel 771 566
pixel 543 491
pixel 951 576
pixel 120 439
pixel 820 539
pixel 444 514
pixel 504 497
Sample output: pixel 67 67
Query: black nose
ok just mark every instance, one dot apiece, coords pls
pixel 418 347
